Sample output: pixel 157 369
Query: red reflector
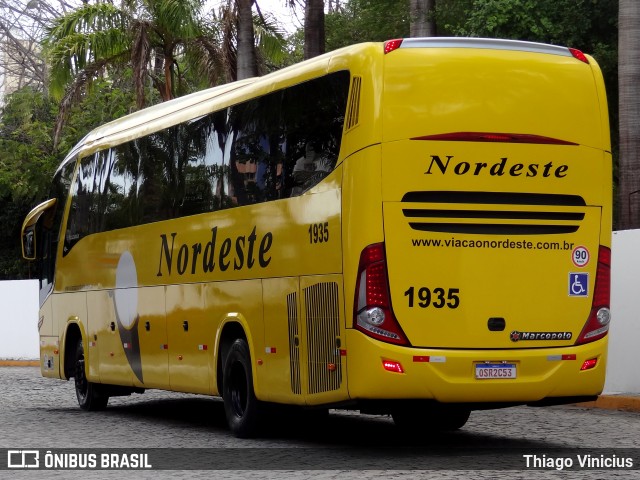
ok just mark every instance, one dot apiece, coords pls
pixel 420 358
pixel 495 137
pixel 579 55
pixel 392 366
pixel 589 364
pixel 569 357
pixel 391 45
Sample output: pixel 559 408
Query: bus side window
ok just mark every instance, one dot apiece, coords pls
pixel 313 118
pixel 255 134
pixel 119 205
pixel 80 222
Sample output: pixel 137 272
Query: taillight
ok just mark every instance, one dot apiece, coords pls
pixel 391 45
pixel 579 55
pixel 597 324
pixel 372 307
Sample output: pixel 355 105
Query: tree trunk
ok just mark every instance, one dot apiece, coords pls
pixel 422 18
pixel 313 28
pixel 629 112
pixel 246 57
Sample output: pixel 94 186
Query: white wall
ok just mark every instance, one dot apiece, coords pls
pixel 19 320
pixel 623 368
pixel 19 316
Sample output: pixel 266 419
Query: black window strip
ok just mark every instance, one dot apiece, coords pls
pixel 426 213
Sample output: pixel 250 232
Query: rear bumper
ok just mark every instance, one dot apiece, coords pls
pixel 541 373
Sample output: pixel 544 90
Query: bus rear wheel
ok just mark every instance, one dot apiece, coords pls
pixel 431 418
pixel 90 397
pixel 241 406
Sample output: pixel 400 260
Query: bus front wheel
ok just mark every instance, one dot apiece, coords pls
pixel 240 403
pixel 90 398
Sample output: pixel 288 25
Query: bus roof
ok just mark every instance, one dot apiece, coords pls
pixel 190 106
pixel 484 43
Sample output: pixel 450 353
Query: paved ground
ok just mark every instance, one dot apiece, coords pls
pixel 628 402
pixel 42 414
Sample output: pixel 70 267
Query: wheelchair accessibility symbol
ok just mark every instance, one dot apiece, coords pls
pixel 578 284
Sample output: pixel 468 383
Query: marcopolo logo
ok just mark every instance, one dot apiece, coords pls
pixel 516 336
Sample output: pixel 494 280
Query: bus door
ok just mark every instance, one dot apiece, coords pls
pixel 190 336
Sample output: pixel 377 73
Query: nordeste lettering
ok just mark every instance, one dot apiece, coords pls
pixel 177 257
pixel 498 169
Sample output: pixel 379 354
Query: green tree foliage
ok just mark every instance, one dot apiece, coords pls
pixel 366 21
pixel 26 156
pixel 167 44
pixel 98 39
pixel 25 143
pixel 105 102
pixel 577 23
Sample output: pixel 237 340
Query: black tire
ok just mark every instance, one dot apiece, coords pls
pixel 241 406
pixel 90 397
pixel 431 418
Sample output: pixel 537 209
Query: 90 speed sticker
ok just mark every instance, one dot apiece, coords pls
pixel 580 256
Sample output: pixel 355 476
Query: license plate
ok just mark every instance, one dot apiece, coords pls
pixel 500 371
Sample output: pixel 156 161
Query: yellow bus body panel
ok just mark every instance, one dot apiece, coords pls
pixel 152 302
pixel 525 278
pixel 450 377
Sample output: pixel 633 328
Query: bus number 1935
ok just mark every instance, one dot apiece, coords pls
pixel 319 232
pixel 437 298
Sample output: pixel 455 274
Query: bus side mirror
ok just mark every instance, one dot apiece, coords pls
pixel 29 243
pixel 29 251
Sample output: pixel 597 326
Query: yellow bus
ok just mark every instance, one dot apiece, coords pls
pixel 418 228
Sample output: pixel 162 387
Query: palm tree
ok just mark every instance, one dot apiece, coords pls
pixel 100 38
pixel 247 40
pixel 247 63
pixel 629 114
pixel 314 35
pixel 160 40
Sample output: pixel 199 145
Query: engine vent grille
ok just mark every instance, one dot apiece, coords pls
pixel 294 342
pixel 353 109
pixel 323 337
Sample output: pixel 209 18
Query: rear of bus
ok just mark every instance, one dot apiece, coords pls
pixel 490 284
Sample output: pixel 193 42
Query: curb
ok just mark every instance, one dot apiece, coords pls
pixel 19 363
pixel 626 403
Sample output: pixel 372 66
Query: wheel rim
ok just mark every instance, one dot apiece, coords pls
pixel 80 380
pixel 239 389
